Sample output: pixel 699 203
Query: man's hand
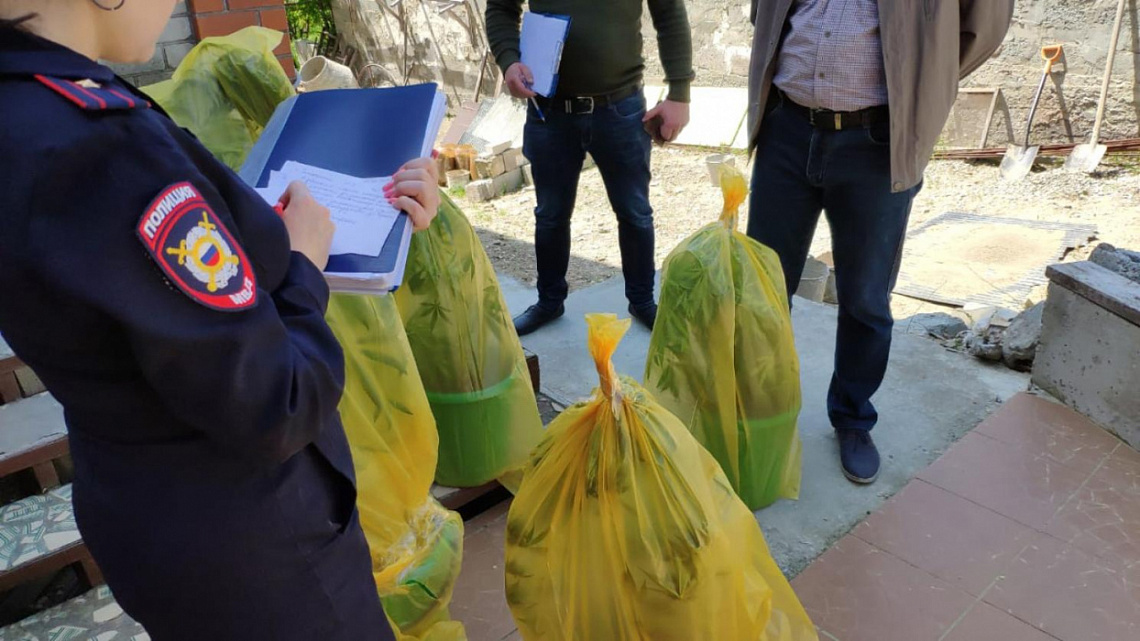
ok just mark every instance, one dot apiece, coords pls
pixel 519 81
pixel 674 117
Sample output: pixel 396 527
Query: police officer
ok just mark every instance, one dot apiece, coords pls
pixel 180 322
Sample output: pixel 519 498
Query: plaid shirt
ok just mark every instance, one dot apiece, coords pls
pixel 832 55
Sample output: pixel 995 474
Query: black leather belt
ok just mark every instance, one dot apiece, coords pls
pixel 586 104
pixel 838 120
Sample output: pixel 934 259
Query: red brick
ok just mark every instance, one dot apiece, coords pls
pixel 206 6
pixel 223 24
pixel 288 65
pixel 253 4
pixel 284 49
pixel 275 19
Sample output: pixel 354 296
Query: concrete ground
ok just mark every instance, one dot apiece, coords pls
pixel 930 399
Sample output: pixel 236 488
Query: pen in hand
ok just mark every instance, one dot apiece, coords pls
pixel 534 102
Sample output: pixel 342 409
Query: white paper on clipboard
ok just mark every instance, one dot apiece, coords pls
pixel 541 42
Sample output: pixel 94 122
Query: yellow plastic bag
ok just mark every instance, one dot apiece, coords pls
pixel 625 529
pixel 468 354
pixel 225 91
pixel 416 544
pixel 723 357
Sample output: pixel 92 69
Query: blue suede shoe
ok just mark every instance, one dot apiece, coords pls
pixel 859 456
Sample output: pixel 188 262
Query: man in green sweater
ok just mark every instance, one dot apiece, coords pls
pixel 598 107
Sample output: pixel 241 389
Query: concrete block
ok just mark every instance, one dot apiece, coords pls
pixel 1087 357
pixel 177 30
pixel 458 179
pixel 499 148
pixel 589 163
pixel 513 159
pixel 176 53
pixel 508 183
pixel 488 166
pixel 528 175
pixel 481 191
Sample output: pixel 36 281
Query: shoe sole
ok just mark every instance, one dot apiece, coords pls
pixel 859 481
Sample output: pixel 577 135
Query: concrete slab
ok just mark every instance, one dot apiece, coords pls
pixel 717 115
pixel 1088 357
pixel 930 399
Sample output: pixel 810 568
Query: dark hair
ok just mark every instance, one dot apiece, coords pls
pixel 13 23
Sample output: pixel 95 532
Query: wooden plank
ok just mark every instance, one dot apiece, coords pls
pixel 30 384
pixel 454 498
pixel 43 538
pixel 94 615
pixel 1101 286
pixel 74 553
pixel 9 388
pixel 532 366
pixel 32 432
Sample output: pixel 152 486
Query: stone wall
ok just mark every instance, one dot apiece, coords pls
pixel 722 37
pixel 722 43
pixel 1084 28
pixel 377 31
pixel 198 19
pixel 176 41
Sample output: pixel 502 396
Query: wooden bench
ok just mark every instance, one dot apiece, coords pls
pixel 38 535
pixel 17 380
pixel 32 436
pixel 95 616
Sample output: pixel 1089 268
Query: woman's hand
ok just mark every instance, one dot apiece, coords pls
pixel 310 229
pixel 415 191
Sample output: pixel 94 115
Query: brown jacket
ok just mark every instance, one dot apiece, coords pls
pixel 928 47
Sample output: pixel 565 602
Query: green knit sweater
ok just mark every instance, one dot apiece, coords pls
pixel 603 51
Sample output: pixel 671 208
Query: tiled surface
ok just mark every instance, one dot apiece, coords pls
pixel 94 616
pixel 36 527
pixel 1028 529
pixel 479 601
pixel 986 623
pixel 864 594
pixel 1005 478
pixel 950 537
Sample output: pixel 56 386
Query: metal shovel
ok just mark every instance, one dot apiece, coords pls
pixel 1018 161
pixel 1086 157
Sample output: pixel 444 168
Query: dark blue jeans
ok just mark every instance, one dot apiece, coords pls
pixel 801 171
pixel 556 148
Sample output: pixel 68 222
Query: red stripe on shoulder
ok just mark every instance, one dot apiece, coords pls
pixel 59 89
pixel 90 94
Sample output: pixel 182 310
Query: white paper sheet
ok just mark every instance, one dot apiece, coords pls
pixel 358 206
pixel 541 46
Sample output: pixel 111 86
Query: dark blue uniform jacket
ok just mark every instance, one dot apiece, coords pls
pixel 158 299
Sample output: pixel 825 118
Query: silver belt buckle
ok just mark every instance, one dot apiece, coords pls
pixel 591 101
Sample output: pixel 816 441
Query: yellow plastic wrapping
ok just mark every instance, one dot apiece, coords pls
pixel 626 529
pixel 723 358
pixel 468 354
pixel 225 91
pixel 416 544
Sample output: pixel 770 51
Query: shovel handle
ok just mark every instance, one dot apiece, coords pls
pixel 1108 72
pixel 1051 54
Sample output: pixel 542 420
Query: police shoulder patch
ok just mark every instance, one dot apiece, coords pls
pixel 196 251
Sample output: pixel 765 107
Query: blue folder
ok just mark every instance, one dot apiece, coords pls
pixel 360 132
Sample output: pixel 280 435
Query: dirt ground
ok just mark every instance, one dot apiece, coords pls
pixel 684 200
